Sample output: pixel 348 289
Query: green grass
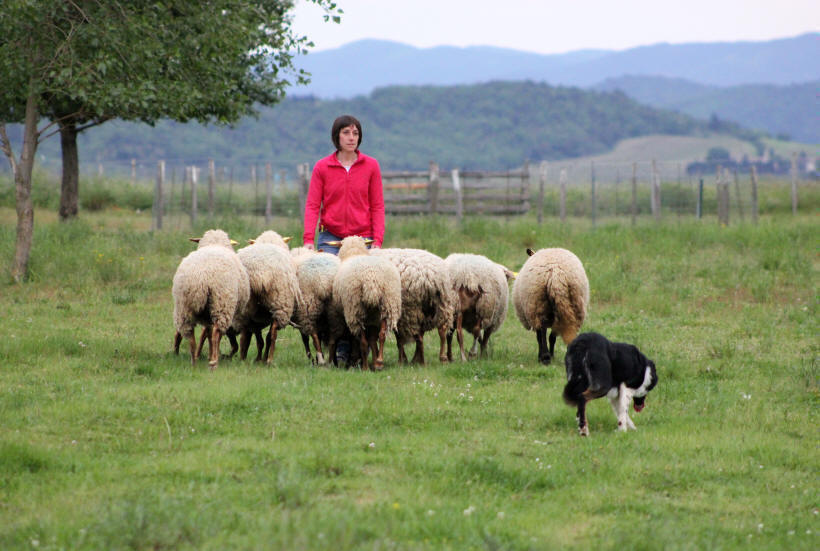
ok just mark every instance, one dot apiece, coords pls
pixel 109 441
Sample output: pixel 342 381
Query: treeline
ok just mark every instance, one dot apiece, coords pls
pixel 494 126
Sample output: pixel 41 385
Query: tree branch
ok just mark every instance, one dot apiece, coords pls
pixel 5 146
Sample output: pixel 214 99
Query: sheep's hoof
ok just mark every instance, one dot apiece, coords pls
pixel 378 365
pixel 212 365
pixel 444 359
pixel 546 360
pixel 583 431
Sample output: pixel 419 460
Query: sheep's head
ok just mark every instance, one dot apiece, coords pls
pixel 214 237
pixel 272 238
pixel 353 246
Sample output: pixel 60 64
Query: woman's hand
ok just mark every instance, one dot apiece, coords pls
pixel 308 246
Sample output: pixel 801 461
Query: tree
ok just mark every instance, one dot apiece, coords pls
pixel 83 62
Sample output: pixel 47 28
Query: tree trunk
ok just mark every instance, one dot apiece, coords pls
pixel 70 188
pixel 22 182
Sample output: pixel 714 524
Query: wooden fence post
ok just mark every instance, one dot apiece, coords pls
pixel 194 205
pixel 562 182
pixel 592 203
pixel 230 186
pixel 133 171
pixel 656 192
pixel 158 206
pixel 268 194
pixel 738 195
pixel 723 197
pixel 794 183
pixel 432 188
pixel 211 186
pixel 283 175
pixel 699 206
pixel 634 208
pixel 302 182
pixel 542 182
pixel 255 183
pixel 457 190
pixel 754 195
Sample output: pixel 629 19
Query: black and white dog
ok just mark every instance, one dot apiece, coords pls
pixel 597 367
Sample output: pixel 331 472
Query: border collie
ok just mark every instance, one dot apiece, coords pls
pixel 597 367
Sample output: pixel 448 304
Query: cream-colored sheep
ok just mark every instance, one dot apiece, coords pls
pixel 315 316
pixel 368 289
pixel 427 299
pixel 483 295
pixel 551 292
pixel 274 292
pixel 210 288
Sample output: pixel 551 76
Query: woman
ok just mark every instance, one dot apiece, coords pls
pixel 345 195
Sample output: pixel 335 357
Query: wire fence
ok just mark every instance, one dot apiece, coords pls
pixel 562 189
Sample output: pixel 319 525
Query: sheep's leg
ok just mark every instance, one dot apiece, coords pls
pixel 485 340
pixel 544 355
pixel 379 361
pixel 418 356
pixel 262 343
pixel 568 335
pixel 231 334
pixel 450 345
pixel 271 344
pixel 476 333
pixel 583 427
pixel 206 335
pixel 216 336
pixel 400 346
pixel 317 344
pixel 364 350
pixel 193 347
pixel 331 351
pixel 553 336
pixel 460 335
pixel 177 342
pixel 306 344
pixel 244 343
pixel 443 356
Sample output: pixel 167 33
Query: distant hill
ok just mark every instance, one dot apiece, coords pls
pixel 495 125
pixel 792 110
pixel 360 67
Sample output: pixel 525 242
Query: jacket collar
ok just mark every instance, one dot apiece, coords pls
pixel 335 160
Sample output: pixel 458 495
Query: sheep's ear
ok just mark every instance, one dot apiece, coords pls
pixel 251 241
pixel 194 239
pixel 530 252
pixel 234 243
pixel 287 239
pixel 509 274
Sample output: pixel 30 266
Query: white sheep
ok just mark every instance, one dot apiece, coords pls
pixel 315 315
pixel 274 292
pixel 427 299
pixel 483 295
pixel 211 288
pixel 551 292
pixel 368 290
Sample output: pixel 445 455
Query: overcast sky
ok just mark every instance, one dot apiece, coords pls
pixel 547 26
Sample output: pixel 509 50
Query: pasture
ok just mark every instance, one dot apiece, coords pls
pixel 109 441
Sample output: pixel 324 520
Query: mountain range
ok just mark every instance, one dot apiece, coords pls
pixel 359 67
pixel 771 86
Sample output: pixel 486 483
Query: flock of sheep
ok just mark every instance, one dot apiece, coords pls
pixel 362 295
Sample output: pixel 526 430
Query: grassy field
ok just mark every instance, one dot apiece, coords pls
pixel 109 441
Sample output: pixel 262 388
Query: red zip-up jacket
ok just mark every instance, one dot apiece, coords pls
pixel 347 202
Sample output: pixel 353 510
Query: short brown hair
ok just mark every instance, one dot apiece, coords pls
pixel 343 122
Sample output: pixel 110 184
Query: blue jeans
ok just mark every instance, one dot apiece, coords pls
pixel 324 237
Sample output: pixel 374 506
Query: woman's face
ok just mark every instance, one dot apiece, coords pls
pixel 349 138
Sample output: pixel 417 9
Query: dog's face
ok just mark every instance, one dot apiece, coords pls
pixel 649 381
